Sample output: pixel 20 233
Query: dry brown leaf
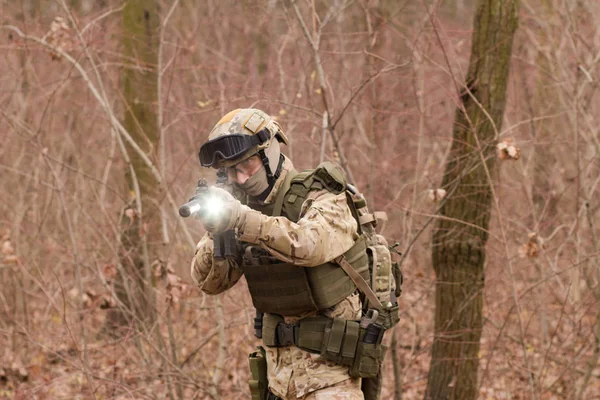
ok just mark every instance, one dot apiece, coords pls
pixel 532 248
pixel 17 370
pixel 109 271
pixel 130 213
pixel 7 248
pixel 175 288
pixel 508 150
pixel 436 195
pixel 60 37
pixel 11 260
pixel 106 301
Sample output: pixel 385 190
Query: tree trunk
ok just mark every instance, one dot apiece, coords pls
pixel 459 248
pixel 140 230
pixel 544 158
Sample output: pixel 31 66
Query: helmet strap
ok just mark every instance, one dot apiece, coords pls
pixel 265 161
pixel 271 178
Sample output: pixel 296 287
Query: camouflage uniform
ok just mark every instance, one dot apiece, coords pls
pixel 325 230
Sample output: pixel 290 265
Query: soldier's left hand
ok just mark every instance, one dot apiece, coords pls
pixel 226 213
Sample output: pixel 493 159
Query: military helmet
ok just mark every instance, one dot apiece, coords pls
pixel 239 135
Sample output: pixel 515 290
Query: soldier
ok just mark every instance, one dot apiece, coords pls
pixel 291 227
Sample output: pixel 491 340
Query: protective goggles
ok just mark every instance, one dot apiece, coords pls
pixel 230 146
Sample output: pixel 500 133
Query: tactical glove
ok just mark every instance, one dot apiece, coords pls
pixel 224 212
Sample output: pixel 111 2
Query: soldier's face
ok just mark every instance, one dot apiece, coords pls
pixel 241 172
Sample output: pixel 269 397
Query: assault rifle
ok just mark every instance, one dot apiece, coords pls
pixel 225 243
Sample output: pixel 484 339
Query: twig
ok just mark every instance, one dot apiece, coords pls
pixel 162 155
pixel 100 17
pixel 221 353
pixel 323 138
pixel 112 117
pixel 596 291
pixel 84 354
pixel 322 84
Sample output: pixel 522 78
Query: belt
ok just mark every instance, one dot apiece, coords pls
pixel 306 334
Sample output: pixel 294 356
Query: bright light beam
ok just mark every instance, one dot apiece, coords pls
pixel 213 205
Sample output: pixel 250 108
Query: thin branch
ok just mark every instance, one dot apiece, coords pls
pixel 84 354
pixel 113 119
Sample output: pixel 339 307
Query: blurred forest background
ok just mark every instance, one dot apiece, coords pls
pixel 103 108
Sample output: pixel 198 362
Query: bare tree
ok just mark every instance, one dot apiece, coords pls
pixel 459 239
pixel 141 220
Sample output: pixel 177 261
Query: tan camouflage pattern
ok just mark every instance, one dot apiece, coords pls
pixel 325 230
pixel 345 390
pixel 294 373
pixel 213 276
pixel 246 121
pixel 234 122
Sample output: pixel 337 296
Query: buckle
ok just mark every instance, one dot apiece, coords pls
pixel 258 324
pixel 284 334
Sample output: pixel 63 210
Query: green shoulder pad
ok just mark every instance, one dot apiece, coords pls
pixel 331 176
pixel 327 175
pixel 302 176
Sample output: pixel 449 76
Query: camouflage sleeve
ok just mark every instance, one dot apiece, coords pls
pixel 325 230
pixel 212 276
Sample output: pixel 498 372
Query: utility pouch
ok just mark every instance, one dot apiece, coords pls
pixel 389 317
pixel 339 341
pixel 398 277
pixel 368 360
pixel 370 352
pixel 380 264
pixel 346 343
pixel 371 387
pixel 259 386
pixel 269 329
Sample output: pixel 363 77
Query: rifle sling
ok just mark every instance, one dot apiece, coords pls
pixel 359 281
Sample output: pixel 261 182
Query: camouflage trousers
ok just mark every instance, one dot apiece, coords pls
pixel 345 390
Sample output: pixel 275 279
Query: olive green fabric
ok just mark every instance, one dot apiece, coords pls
pixel 371 387
pixel 335 339
pixel 287 289
pixel 270 322
pixel 259 385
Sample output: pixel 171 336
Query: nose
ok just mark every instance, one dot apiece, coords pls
pixel 241 177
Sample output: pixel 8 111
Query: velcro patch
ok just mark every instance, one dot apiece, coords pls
pixel 254 123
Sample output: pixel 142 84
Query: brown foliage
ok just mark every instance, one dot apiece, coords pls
pixel 61 156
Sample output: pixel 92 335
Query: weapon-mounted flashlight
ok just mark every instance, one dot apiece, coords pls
pixel 202 202
pixel 210 205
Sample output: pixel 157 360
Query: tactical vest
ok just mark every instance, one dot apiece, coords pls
pixel 283 288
